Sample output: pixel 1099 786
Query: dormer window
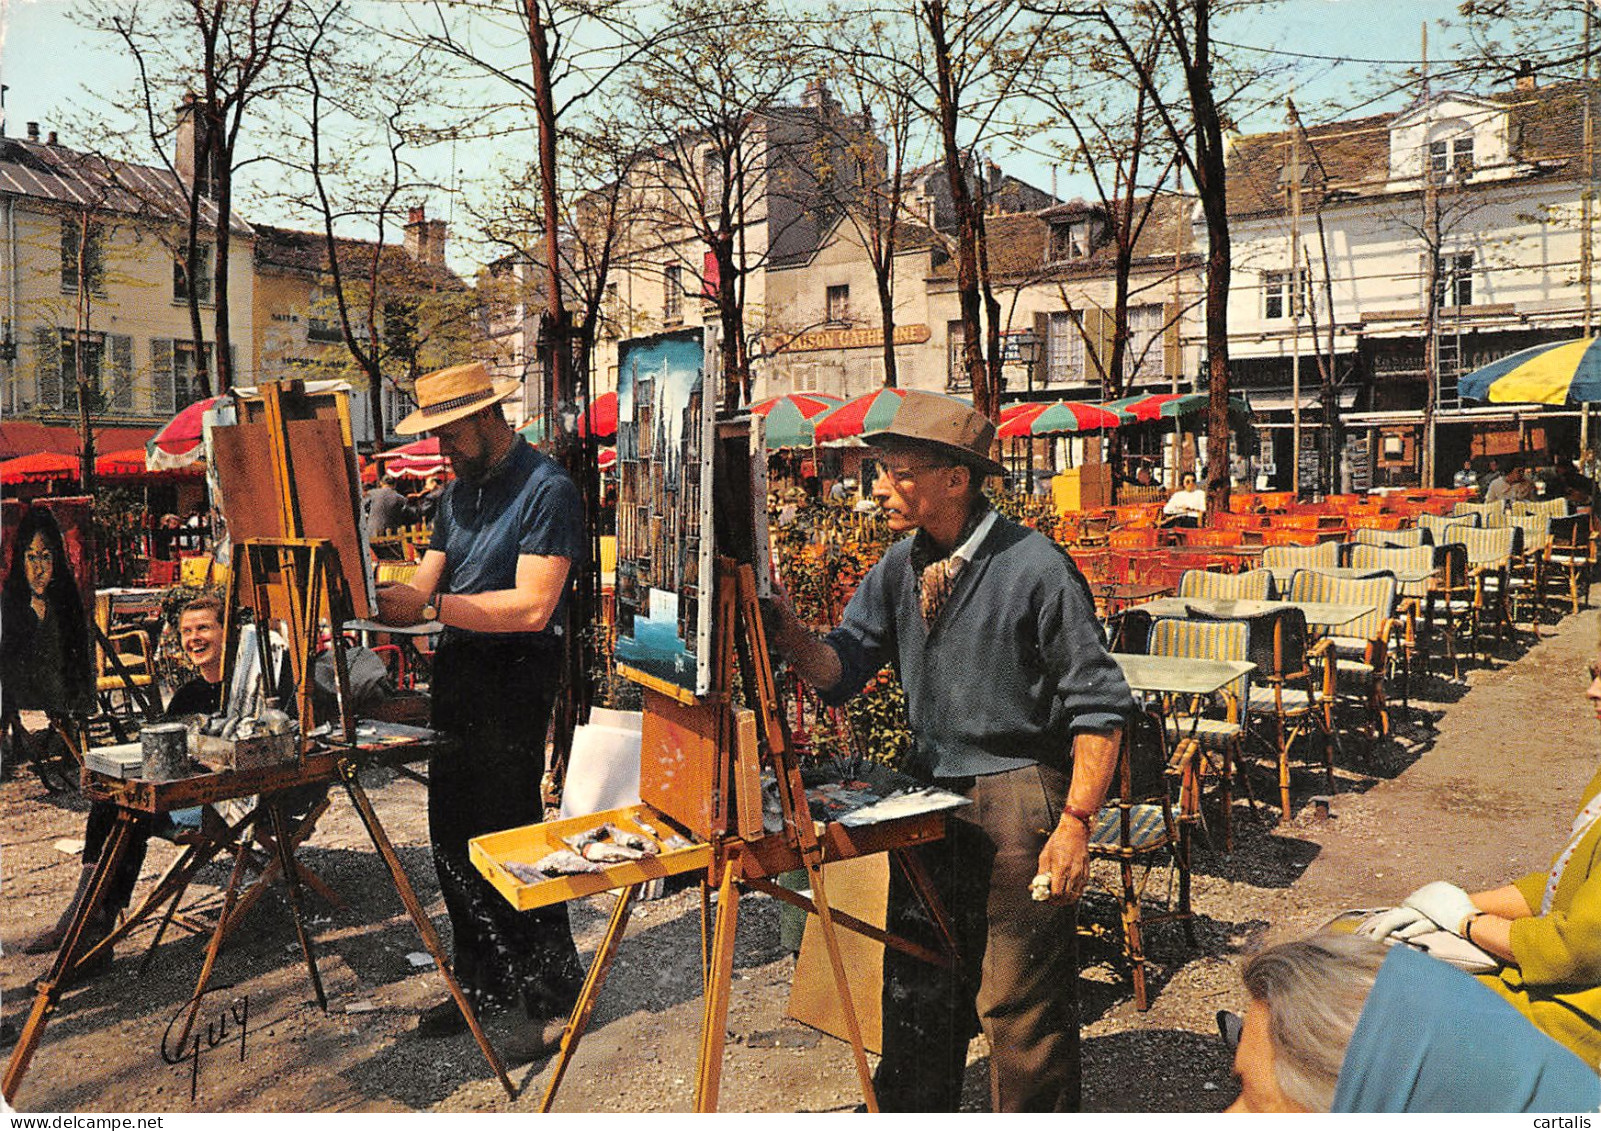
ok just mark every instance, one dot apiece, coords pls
pixel 1072 239
pixel 1450 157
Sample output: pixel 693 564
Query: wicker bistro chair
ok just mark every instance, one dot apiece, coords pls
pixel 1138 826
pixel 1491 552
pixel 1324 555
pixel 1439 525
pixel 1568 557
pixel 1551 508
pixel 1526 579
pixel 1416 610
pixel 1361 647
pixel 1413 536
pixel 1253 585
pixel 1490 514
pixel 1292 692
pixel 1456 600
pixel 1221 741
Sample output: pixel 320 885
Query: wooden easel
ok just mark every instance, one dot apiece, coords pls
pixel 297 580
pixel 743 855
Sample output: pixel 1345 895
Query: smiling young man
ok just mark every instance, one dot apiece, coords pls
pixel 1014 703
pixel 200 631
pixel 496 576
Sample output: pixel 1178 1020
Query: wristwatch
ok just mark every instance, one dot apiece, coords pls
pixel 430 611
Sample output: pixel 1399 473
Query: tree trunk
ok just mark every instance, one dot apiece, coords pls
pixel 886 315
pixel 86 459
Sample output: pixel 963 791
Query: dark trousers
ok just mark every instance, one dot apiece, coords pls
pixel 97 831
pixel 1019 959
pixel 495 698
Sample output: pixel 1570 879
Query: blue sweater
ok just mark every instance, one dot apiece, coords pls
pixel 1013 667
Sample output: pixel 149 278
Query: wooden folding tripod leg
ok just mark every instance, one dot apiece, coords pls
pixel 67 958
pixel 291 878
pixel 348 771
pixel 578 1023
pixel 714 1018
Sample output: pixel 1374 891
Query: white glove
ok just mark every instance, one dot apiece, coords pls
pixel 1445 904
pixel 1394 921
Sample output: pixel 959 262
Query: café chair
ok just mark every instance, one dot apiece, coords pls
pixel 1413 536
pixel 1568 559
pixel 1253 585
pixel 1490 514
pixel 1416 610
pixel 1221 740
pixel 1138 826
pixel 1526 579
pixel 1491 551
pixel 1325 555
pixel 1551 508
pixel 1361 647
pixel 1439 526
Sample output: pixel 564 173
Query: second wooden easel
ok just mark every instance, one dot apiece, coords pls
pixel 743 855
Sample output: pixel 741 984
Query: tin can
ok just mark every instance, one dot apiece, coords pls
pixel 166 751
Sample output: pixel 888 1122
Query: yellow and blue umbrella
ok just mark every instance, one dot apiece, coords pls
pixel 1554 373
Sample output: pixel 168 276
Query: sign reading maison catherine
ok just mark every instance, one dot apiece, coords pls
pixel 664 511
pixel 844 339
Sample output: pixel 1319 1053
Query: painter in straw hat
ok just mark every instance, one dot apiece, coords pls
pixel 453 393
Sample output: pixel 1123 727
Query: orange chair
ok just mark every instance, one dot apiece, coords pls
pixel 1289 536
pixel 1275 500
pixel 1135 538
pixel 1208 536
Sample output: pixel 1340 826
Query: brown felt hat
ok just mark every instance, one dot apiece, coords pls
pixel 955 427
pixel 453 393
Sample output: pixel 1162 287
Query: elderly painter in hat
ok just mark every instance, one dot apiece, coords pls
pixel 1013 702
pixel 496 575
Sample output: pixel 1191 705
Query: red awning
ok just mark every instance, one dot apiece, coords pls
pixel 25 437
pixel 38 467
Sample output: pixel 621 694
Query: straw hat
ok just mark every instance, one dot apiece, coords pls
pixel 453 393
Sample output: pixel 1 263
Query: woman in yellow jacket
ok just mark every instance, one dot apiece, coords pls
pixel 1546 928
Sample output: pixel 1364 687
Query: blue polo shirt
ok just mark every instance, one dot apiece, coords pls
pixel 526 505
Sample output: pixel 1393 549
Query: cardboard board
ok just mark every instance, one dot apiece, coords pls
pixel 857 887
pixel 678 760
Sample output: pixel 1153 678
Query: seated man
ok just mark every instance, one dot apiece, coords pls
pixel 1187 505
pixel 200 630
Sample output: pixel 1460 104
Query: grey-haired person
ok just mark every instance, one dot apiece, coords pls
pixel 1013 702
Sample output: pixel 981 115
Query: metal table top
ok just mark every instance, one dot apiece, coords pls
pixel 1179 675
pixel 1283 573
pixel 1327 614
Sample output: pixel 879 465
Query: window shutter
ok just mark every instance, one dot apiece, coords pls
pixel 47 365
pixel 1172 356
pixel 161 396
pixel 1097 344
pixel 121 399
pixel 1042 349
pixel 69 255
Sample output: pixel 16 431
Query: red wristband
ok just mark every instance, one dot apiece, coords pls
pixel 1083 816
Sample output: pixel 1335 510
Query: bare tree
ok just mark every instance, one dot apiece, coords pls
pixel 219 63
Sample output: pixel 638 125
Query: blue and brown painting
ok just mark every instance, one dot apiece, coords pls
pixel 655 647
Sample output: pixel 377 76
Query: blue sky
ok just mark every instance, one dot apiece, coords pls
pixel 46 60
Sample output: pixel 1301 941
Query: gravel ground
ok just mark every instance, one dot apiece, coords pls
pixel 1447 798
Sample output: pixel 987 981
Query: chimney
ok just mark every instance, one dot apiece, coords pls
pixel 425 238
pixel 50 138
pixel 33 131
pixel 193 154
pixel 1524 81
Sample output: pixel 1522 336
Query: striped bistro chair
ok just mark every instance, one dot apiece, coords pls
pixel 1370 536
pixel 1551 508
pixel 1491 552
pixel 1325 555
pixel 1457 600
pixel 1490 514
pixel 1361 647
pixel 1138 826
pixel 1437 525
pixel 1416 611
pixel 1221 741
pixel 1292 692
pixel 1253 585
pixel 1526 581
pixel 1568 559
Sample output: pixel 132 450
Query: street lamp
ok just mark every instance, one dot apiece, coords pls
pixel 1028 352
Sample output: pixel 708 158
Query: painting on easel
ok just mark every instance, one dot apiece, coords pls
pixel 664 521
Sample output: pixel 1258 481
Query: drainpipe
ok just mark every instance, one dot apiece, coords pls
pixel 9 398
